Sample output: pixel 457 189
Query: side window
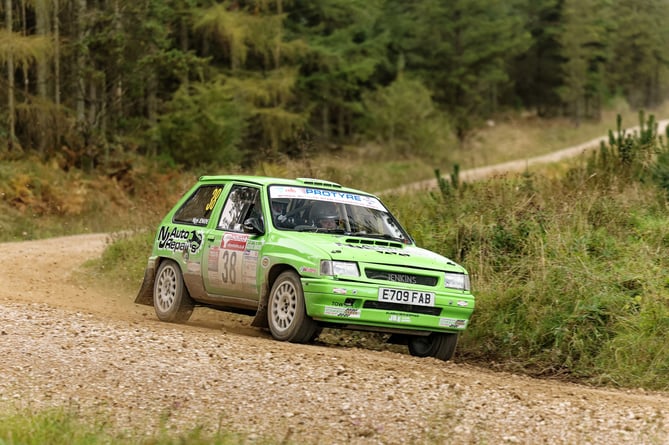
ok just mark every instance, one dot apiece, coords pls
pixel 243 202
pixel 197 209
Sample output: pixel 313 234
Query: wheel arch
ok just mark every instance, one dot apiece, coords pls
pixel 260 319
pixel 145 294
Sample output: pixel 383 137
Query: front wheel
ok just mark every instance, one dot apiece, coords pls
pixel 170 297
pixel 287 314
pixel 441 346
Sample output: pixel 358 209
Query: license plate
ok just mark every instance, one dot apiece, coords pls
pixel 404 296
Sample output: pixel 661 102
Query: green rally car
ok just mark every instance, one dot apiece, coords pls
pixel 300 255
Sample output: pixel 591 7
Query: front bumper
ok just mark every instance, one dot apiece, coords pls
pixel 357 304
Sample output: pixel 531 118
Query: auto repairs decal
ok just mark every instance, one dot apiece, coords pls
pixel 179 240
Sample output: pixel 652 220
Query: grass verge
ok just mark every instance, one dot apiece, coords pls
pixel 62 427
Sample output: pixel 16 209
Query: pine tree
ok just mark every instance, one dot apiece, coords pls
pixel 254 65
pixel 18 52
pixel 345 49
pixel 584 42
pixel 537 72
pixel 639 66
pixel 461 50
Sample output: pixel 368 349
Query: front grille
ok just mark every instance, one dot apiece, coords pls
pixel 404 278
pixel 412 308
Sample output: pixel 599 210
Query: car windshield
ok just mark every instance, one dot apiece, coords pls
pixel 331 211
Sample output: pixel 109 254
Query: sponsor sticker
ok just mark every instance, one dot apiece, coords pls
pixel 396 318
pixel 234 241
pixel 452 323
pixel 213 259
pixel 344 312
pixel 279 191
pixel 253 244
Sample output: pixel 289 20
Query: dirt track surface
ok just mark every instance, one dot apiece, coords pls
pixel 92 349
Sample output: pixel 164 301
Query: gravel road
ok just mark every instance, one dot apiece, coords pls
pixel 90 348
pixel 517 166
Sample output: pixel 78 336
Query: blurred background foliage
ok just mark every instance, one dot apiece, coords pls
pixel 226 84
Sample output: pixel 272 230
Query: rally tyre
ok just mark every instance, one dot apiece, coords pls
pixel 287 314
pixel 171 299
pixel 441 346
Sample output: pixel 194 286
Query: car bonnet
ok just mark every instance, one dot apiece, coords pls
pixel 374 251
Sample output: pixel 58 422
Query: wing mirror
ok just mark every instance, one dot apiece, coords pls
pixel 254 226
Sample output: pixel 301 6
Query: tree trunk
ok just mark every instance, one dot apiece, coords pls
pixel 117 98
pixel 26 76
pixel 10 82
pixel 56 75
pixel 42 28
pixel 81 82
pixel 56 53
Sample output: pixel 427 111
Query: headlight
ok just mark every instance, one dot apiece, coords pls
pixel 458 281
pixel 333 268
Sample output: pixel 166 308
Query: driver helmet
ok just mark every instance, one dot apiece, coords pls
pixel 324 211
pixel 278 206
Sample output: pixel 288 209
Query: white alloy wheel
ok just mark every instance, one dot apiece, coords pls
pixel 286 316
pixel 171 300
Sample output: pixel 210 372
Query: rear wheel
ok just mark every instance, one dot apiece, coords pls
pixel 437 345
pixel 170 297
pixel 287 314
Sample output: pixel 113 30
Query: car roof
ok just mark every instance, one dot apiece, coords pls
pixel 267 180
